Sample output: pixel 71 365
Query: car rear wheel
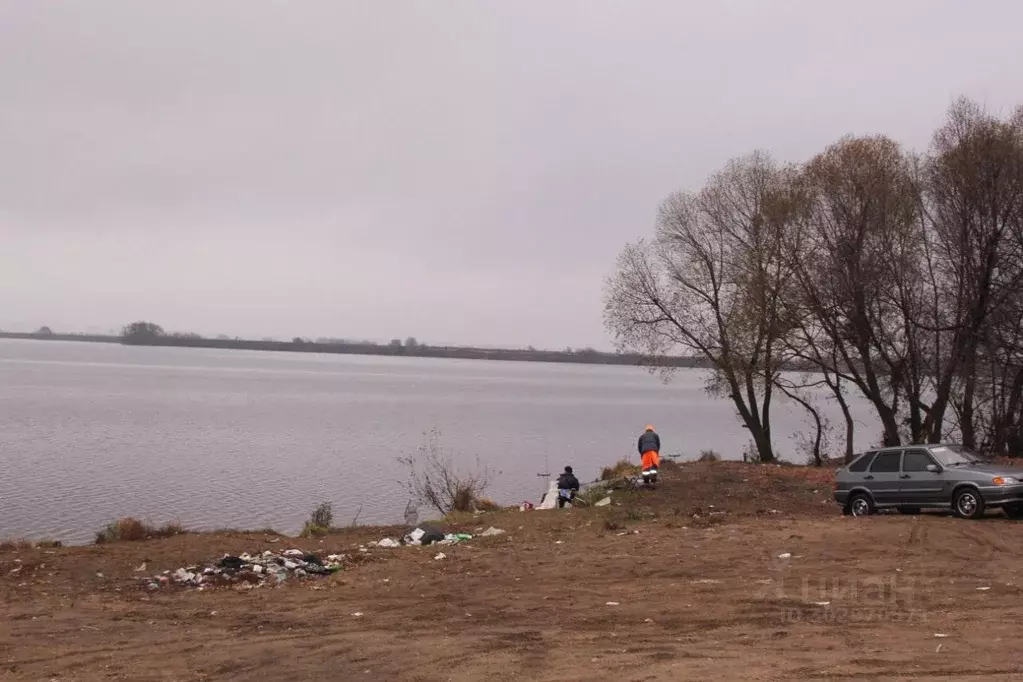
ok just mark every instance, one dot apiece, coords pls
pixel 1013 511
pixel 968 504
pixel 861 505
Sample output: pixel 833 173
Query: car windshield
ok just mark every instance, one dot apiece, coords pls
pixel 956 455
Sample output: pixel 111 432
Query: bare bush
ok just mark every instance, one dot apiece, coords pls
pixel 434 480
pixel 708 456
pixel 323 515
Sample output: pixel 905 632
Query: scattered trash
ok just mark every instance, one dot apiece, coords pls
pixel 388 542
pixel 785 555
pixel 247 571
pixel 983 589
pixel 526 506
pixel 940 635
pixel 649 620
pixel 141 567
pixel 559 542
pixel 612 603
pixel 603 503
pixel 938 649
pixel 427 535
pixel 357 614
pixel 822 603
pixel 491 532
pixel 706 581
pixel 440 556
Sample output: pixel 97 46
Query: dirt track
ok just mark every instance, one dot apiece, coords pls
pixel 702 598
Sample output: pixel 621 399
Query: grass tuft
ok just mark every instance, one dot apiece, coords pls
pixel 709 456
pixel 622 469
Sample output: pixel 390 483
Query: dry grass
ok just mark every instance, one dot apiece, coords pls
pixel 486 504
pixel 623 468
pixel 12 544
pixel 130 529
pixel 18 544
pixel 313 530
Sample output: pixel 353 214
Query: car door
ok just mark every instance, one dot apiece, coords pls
pixel 917 485
pixel 882 478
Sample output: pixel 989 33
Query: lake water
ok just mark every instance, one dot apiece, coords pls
pixel 213 439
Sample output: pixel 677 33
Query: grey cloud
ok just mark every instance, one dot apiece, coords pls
pixel 459 170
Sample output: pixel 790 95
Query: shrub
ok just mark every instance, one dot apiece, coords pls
pixel 709 456
pixel 434 480
pixel 323 515
pixel 130 529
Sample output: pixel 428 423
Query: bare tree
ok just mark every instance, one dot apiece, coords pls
pixel 855 265
pixel 713 282
pixel 974 198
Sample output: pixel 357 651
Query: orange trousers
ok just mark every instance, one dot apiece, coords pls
pixel 651 459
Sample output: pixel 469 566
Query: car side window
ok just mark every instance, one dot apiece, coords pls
pixel 886 462
pixel 862 463
pixel 916 460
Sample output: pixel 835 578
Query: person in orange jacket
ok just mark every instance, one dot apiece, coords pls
pixel 650 449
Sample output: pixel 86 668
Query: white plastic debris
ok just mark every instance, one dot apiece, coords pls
pixel 603 503
pixel 612 603
pixel 940 635
pixel 440 556
pixel 983 589
pixel 357 614
pixel 491 532
pixel 785 555
pixel 294 552
pixel 417 535
pixel 388 542
pixel 822 603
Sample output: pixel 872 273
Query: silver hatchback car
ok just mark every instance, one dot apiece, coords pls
pixel 914 477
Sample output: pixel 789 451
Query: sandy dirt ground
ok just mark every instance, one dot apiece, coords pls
pixel 728 572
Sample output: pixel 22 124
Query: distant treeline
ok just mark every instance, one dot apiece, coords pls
pixel 151 335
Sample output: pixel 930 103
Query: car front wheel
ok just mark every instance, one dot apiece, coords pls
pixel 861 505
pixel 968 504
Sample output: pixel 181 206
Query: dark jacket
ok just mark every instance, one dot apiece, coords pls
pixel 649 441
pixel 568 481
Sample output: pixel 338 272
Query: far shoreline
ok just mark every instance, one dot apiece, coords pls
pixel 586 356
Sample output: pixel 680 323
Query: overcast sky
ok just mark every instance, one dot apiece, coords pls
pixel 458 170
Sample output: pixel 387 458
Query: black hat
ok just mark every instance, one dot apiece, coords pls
pixel 568 470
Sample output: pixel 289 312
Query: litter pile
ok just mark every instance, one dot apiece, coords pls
pixel 429 535
pixel 248 571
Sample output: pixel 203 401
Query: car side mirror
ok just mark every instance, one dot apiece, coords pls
pixel 933 468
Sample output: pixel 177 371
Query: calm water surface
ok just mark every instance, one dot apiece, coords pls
pixel 212 439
